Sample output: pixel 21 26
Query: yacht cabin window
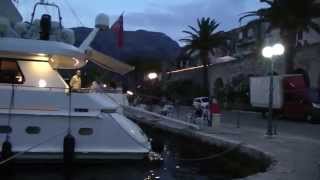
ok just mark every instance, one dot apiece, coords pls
pixel 5 129
pixel 10 72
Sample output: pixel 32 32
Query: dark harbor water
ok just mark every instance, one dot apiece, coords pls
pixel 183 159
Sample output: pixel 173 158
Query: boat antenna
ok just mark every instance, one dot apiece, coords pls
pixel 46 4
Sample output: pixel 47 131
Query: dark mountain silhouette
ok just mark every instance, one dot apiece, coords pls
pixel 139 47
pixel 140 44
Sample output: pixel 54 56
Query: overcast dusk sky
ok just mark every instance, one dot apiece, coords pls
pixel 167 16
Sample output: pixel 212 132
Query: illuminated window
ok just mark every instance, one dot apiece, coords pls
pixel 10 72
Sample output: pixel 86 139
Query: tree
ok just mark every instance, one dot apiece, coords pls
pixel 292 18
pixel 203 40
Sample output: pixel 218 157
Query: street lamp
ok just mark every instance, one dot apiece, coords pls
pixel 270 52
pixel 130 93
pixel 152 76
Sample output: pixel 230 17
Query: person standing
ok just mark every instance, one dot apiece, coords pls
pixel 215 113
pixel 75 82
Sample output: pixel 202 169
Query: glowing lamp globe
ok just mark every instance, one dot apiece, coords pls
pixel 152 76
pixel 130 93
pixel 278 49
pixel 267 52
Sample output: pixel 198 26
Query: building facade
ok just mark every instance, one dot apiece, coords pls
pixel 245 44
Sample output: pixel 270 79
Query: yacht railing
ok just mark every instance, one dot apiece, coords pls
pixel 12 89
pixel 67 89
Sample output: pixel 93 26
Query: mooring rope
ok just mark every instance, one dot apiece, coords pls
pixel 214 156
pixel 30 148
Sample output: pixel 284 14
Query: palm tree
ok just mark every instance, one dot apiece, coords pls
pixel 292 18
pixel 203 40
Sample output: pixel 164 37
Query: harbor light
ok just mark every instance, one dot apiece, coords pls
pixel 130 93
pixel 278 49
pixel 275 50
pixel 267 52
pixel 152 76
pixel 270 52
pixel 42 83
pixel 104 85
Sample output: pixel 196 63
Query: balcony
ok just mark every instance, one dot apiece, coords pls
pixel 246 41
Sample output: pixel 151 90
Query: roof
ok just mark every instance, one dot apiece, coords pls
pixel 108 62
pixel 59 55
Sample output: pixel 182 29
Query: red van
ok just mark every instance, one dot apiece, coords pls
pixel 292 98
pixel 300 102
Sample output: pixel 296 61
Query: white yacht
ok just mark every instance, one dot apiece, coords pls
pixel 37 110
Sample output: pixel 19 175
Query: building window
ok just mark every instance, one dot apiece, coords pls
pixel 10 72
pixel 240 35
pixel 81 110
pixel 5 129
pixel 33 130
pixel 250 33
pixel 85 131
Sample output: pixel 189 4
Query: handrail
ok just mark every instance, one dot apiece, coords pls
pixel 46 4
pixel 28 86
pixel 82 90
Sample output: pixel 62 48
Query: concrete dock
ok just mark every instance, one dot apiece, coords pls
pixel 294 157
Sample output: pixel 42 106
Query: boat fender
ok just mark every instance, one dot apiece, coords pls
pixel 68 149
pixel 6 150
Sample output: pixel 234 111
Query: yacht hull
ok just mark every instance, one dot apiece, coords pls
pixel 104 137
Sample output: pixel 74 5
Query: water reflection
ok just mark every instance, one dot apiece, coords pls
pixel 170 166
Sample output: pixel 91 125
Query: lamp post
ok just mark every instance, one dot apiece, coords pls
pixel 270 52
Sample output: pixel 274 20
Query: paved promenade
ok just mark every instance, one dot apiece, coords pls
pixel 295 156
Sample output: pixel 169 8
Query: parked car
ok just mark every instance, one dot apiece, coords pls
pixel 200 102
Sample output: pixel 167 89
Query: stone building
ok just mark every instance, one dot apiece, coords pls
pixel 245 44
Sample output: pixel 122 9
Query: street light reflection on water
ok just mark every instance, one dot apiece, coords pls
pixel 178 161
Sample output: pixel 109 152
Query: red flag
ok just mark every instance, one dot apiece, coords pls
pixel 117 28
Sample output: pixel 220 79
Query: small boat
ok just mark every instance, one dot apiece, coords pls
pixel 38 110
